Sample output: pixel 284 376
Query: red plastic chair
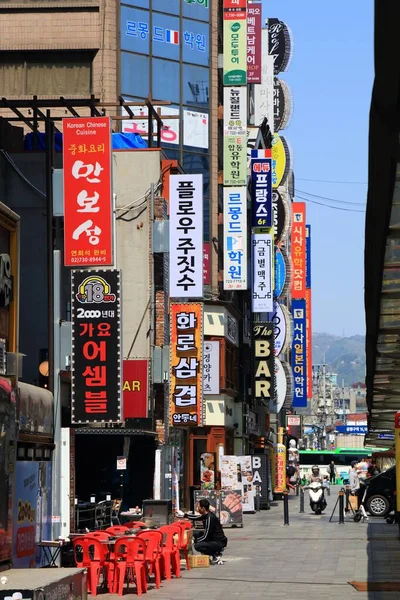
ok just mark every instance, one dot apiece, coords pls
pixel 117 529
pixel 94 559
pixel 135 524
pixel 170 556
pixel 130 563
pixel 185 526
pixel 154 540
pixel 102 536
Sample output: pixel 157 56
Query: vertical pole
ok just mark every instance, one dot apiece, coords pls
pixel 301 500
pixel 286 507
pixel 397 455
pixel 153 305
pixel 50 244
pixel 341 507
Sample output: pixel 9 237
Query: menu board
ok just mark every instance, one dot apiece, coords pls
pixel 237 474
pixel 207 471
pixel 227 505
pixel 246 472
pixel 230 473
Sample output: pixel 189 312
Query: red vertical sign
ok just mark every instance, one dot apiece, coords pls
pixel 88 226
pixel 298 250
pixel 254 42
pixel 135 389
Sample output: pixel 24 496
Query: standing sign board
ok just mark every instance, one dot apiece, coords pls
pixel 254 42
pixel 235 136
pixel 88 218
pixel 186 236
pixel 235 42
pixel 96 346
pixel 235 238
pixel 186 365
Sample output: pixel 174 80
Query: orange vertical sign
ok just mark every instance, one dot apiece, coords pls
pixel 186 370
pixel 298 250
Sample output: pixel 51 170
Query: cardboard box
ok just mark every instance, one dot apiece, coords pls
pixel 199 561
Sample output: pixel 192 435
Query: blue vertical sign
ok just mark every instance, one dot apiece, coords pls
pixel 299 354
pixel 308 257
pixel 261 189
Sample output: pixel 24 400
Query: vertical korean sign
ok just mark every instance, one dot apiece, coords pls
pixel 235 238
pixel 299 354
pixel 298 249
pixel 235 136
pixel 254 42
pixel 235 42
pixel 186 236
pixel 308 311
pixel 261 188
pixel 186 376
pixel 262 296
pixel 96 346
pixel 264 362
pixel 88 218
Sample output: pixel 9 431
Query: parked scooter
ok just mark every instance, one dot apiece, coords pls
pixel 316 490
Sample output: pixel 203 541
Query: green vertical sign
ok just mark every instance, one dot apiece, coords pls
pixel 235 49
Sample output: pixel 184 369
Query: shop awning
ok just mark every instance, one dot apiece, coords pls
pixel 35 410
pixel 382 231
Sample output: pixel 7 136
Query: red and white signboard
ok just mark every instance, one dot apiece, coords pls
pixel 88 224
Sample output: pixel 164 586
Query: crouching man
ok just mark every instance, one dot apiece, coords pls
pixel 213 540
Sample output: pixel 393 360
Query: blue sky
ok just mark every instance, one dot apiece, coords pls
pixel 331 77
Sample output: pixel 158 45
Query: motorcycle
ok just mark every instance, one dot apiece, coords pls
pixel 316 491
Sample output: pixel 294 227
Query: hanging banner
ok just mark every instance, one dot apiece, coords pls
pixel 299 354
pixel 280 469
pixel 235 238
pixel 235 136
pixel 235 42
pixel 96 347
pixel 262 257
pixel 135 389
pixel 308 311
pixel 254 41
pixel 211 372
pixel 280 44
pixel 280 160
pixel 282 212
pixel 186 371
pixel 261 188
pixel 264 363
pixel 282 104
pixel 88 216
pixel 298 250
pixel 186 236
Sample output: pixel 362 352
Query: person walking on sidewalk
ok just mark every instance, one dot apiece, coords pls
pixel 213 540
pixel 332 472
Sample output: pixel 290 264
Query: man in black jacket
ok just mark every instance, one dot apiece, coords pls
pixel 213 540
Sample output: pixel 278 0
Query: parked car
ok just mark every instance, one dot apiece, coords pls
pixel 380 498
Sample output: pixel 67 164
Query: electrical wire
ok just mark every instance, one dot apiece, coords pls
pixel 19 172
pixel 330 199
pixel 333 181
pixel 330 206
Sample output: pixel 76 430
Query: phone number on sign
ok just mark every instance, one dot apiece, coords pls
pixel 85 259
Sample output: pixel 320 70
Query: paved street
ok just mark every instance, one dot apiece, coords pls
pixel 309 559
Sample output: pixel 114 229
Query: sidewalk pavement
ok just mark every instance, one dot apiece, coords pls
pixel 310 559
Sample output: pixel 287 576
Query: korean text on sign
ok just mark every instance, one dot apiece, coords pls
pixel 87 192
pixel 235 238
pixel 298 249
pixel 299 354
pixel 96 368
pixel 261 191
pixel 186 236
pixel 186 379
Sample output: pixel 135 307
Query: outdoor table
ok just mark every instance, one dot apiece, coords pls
pixel 51 550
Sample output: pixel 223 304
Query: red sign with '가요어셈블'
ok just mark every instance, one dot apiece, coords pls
pixel 88 228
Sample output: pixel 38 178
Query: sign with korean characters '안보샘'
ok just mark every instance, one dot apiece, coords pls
pixel 186 236
pixel 299 354
pixel 235 136
pixel 88 220
pixel 186 372
pixel 96 346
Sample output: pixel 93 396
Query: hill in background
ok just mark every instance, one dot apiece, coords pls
pixel 343 355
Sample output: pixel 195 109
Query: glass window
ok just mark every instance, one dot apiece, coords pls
pixel 195 82
pixel 166 80
pixel 135 74
pixel 195 130
pixel 169 6
pixel 140 3
pixel 135 34
pixel 195 42
pixel 166 36
pixel 197 9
